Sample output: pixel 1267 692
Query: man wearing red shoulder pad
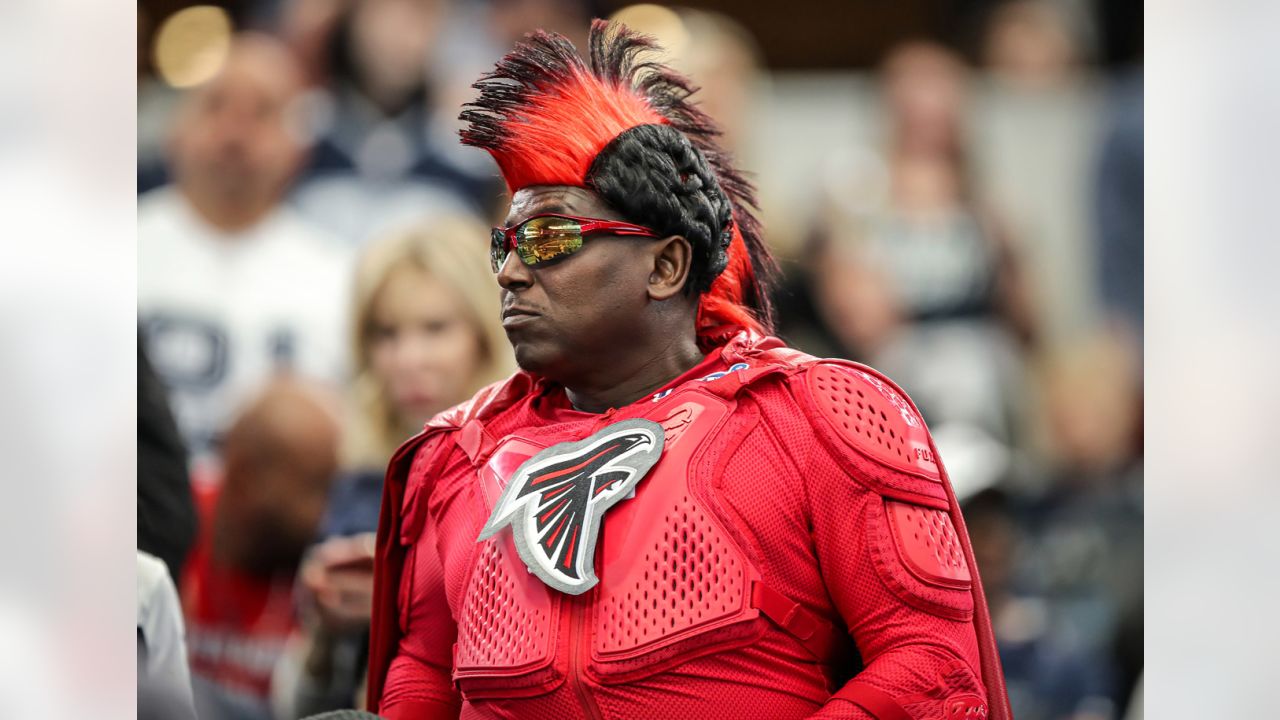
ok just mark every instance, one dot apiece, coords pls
pixel 666 512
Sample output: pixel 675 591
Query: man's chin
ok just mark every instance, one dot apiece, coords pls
pixel 535 358
pixel 529 359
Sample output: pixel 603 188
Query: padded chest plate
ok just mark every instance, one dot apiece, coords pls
pixel 671 581
pixel 555 501
pixel 508 622
pixel 670 574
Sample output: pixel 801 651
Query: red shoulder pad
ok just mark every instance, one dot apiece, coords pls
pixel 489 401
pixel 928 544
pixel 919 555
pixel 871 415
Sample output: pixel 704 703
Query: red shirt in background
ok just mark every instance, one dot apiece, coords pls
pixel 237 624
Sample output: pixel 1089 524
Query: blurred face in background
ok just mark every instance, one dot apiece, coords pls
pixel 424 348
pixel 280 457
pixel 390 43
pixel 511 19
pixel 1029 44
pixel 924 94
pixel 1092 404
pixel 234 150
pixel 857 303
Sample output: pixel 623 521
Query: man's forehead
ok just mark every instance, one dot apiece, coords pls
pixel 561 199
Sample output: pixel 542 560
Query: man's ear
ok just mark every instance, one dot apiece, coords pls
pixel 672 262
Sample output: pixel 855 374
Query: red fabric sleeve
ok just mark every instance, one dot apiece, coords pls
pixel 917 643
pixel 418 682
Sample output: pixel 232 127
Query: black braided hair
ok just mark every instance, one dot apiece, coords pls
pixel 652 175
pixel 615 55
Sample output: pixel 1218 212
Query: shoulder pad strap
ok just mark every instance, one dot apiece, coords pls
pixel 876 702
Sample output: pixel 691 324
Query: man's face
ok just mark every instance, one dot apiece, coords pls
pixel 233 143
pixel 569 317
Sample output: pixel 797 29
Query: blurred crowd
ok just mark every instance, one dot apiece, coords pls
pixel 313 285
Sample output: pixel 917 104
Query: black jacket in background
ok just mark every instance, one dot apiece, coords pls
pixel 166 514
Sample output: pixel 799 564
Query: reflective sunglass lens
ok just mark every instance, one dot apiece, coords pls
pixel 497 248
pixel 547 238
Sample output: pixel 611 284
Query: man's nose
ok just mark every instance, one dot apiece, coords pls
pixel 514 274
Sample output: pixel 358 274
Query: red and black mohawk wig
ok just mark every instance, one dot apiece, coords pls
pixel 622 126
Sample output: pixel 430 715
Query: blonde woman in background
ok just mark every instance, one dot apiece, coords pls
pixel 426 336
pixel 427 332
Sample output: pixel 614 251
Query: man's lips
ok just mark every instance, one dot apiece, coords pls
pixel 517 315
pixel 516 312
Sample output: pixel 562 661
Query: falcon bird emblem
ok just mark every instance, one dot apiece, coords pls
pixel 555 502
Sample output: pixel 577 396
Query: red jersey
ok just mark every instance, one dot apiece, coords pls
pixel 237 624
pixel 770 535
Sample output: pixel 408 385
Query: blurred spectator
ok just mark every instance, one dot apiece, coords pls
pixel 510 20
pixel 1085 526
pixel 724 60
pixel 1031 44
pixel 231 285
pixel 426 329
pixel 918 279
pixel 1135 704
pixel 1118 206
pixel 166 515
pixel 156 102
pixel 377 162
pixel 718 54
pixel 1035 125
pixel 164 683
pixel 427 336
pixel 281 454
pixel 1048 677
pixel 306 26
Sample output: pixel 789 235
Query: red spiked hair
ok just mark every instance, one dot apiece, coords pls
pixel 560 131
pixel 545 115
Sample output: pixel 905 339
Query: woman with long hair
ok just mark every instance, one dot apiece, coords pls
pixel 426 336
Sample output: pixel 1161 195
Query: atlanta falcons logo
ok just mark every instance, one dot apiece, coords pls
pixel 556 500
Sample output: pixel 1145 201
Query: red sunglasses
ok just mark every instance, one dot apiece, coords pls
pixel 543 238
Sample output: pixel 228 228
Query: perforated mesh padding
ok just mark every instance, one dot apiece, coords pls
pixel 862 414
pixel 872 416
pixel 761 483
pixel 929 544
pixel 495 629
pixel 792 489
pixel 691 577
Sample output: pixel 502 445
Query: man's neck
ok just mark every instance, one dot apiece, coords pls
pixel 617 386
pixel 226 218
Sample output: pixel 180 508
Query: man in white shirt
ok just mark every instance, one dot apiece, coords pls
pixel 232 284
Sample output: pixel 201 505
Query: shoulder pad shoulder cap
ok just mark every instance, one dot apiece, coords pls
pixel 489 401
pixel 872 415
